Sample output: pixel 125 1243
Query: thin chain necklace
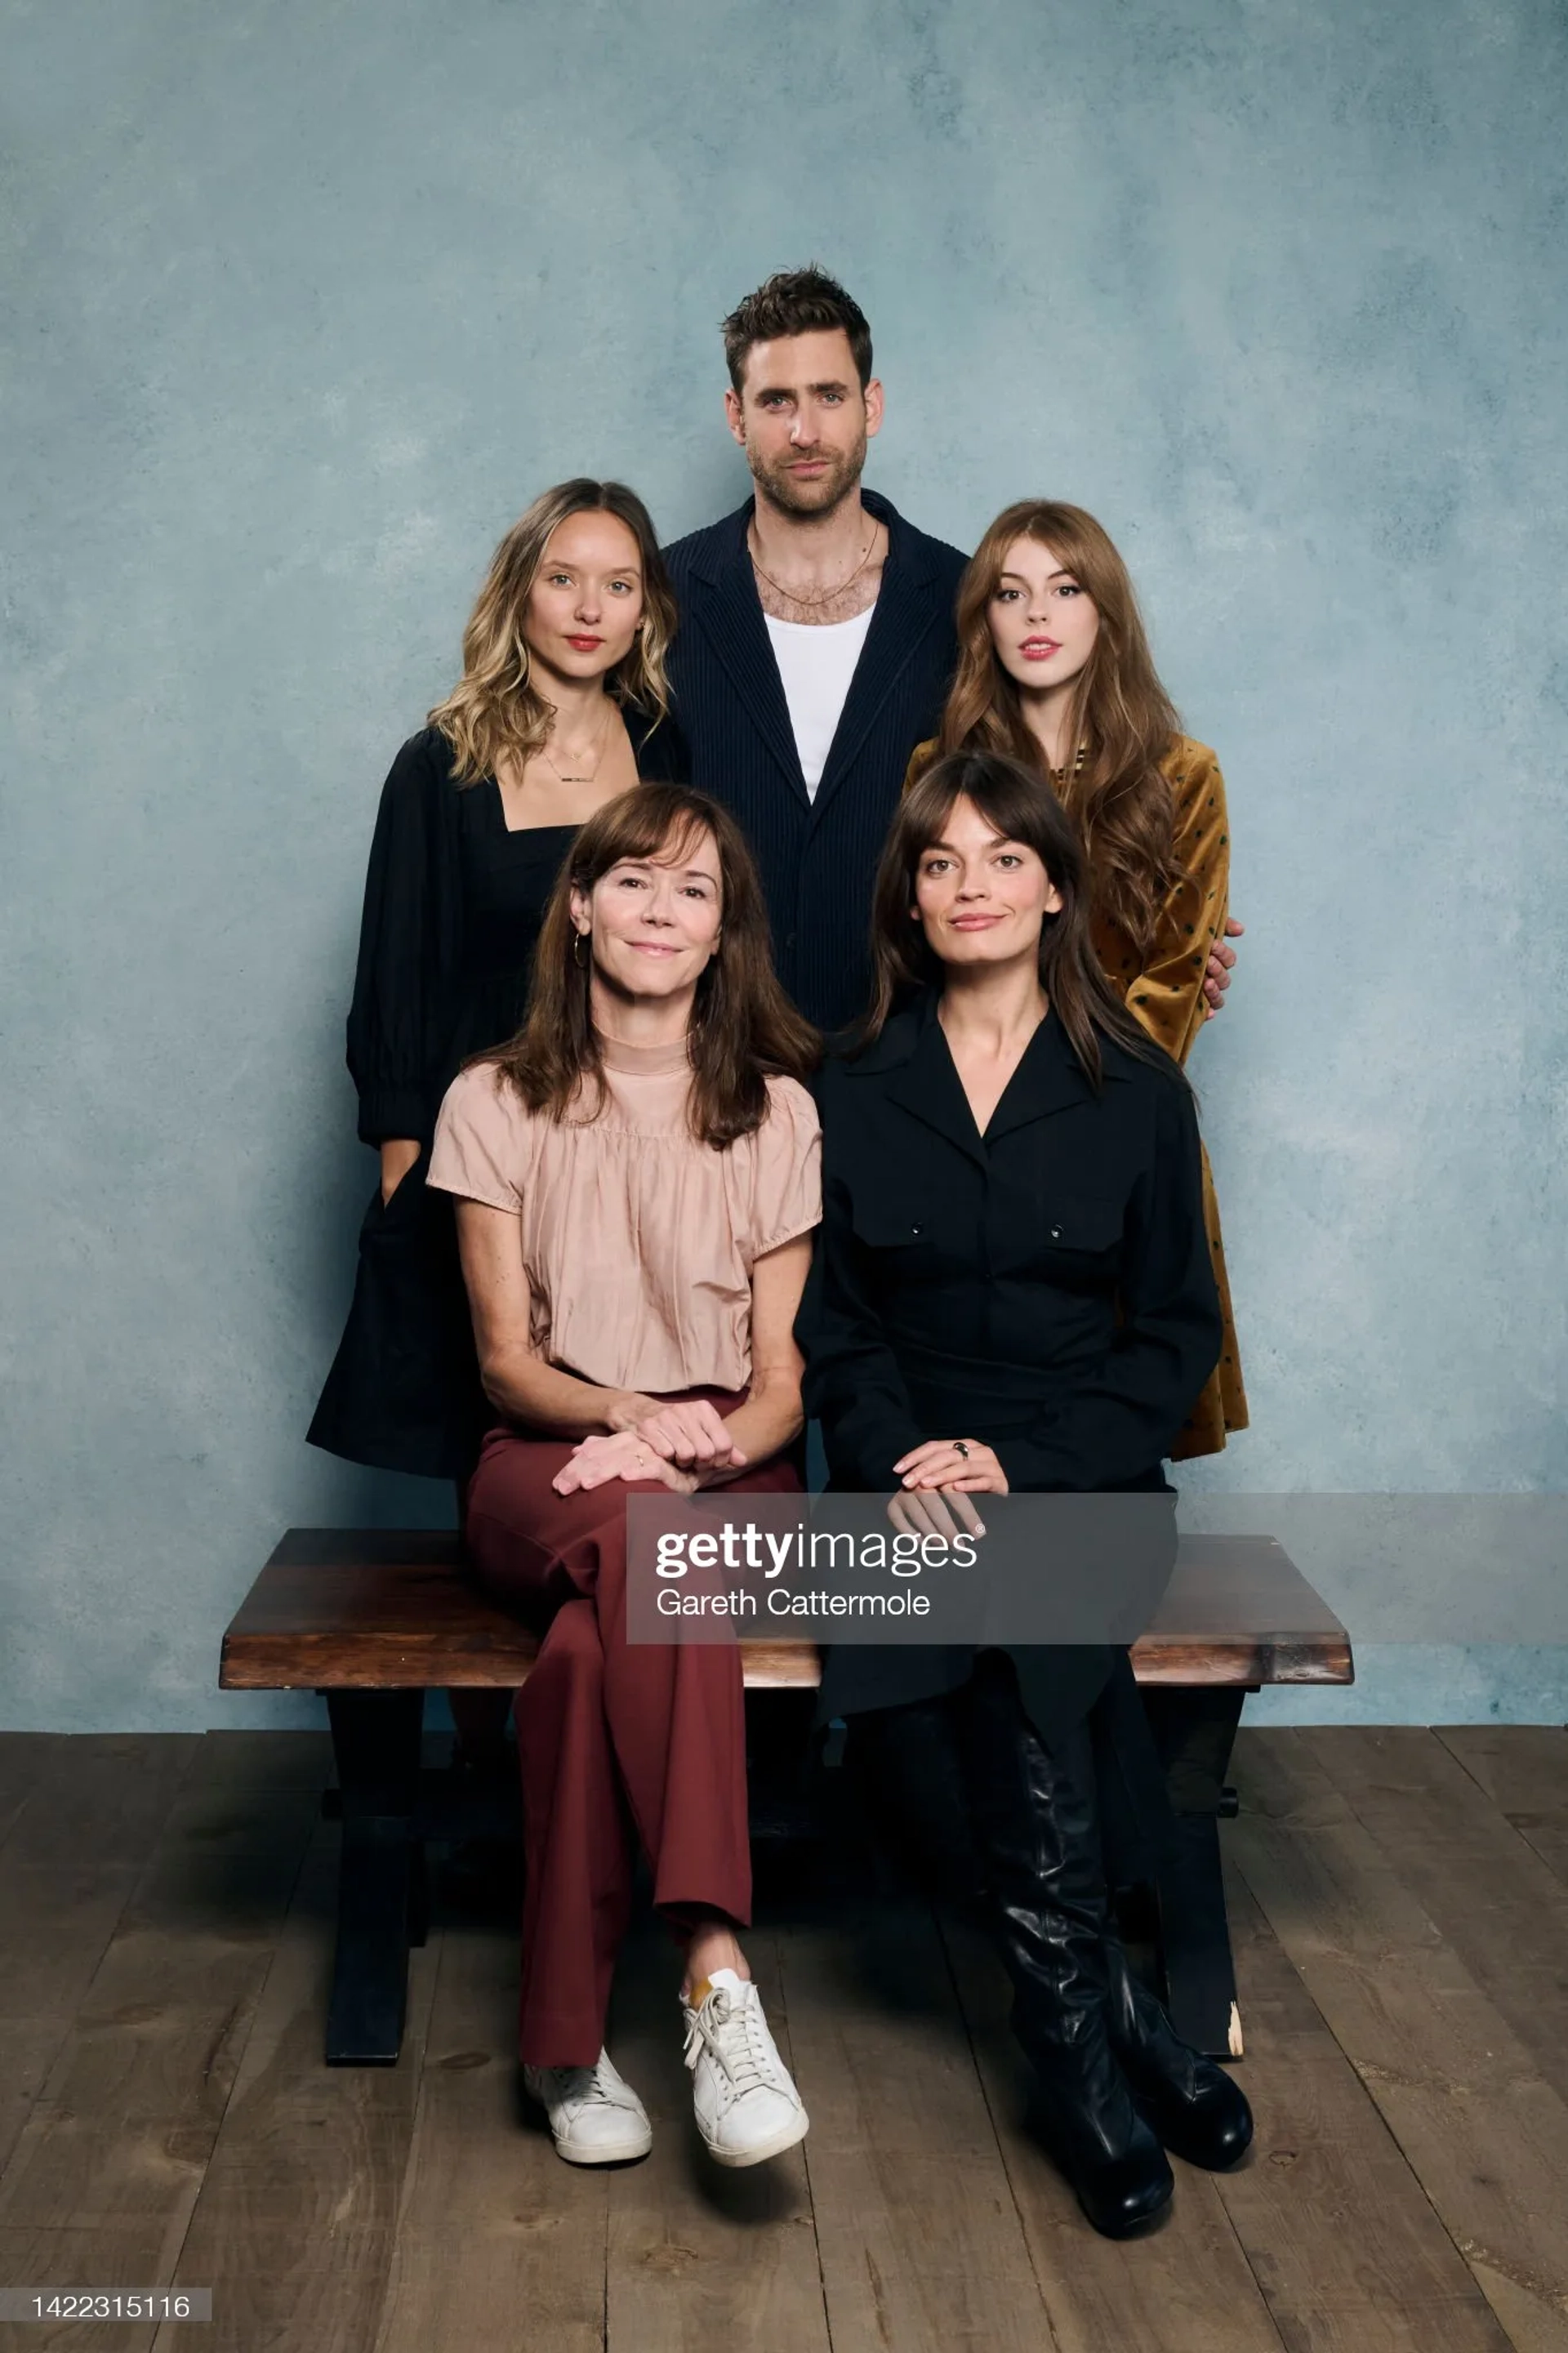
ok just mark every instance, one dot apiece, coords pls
pixel 825 596
pixel 604 738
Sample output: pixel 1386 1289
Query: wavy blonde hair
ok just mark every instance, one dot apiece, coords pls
pixel 1118 798
pixel 494 708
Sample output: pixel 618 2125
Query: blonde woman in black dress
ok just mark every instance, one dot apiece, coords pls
pixel 561 706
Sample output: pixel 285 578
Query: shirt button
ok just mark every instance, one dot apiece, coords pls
pixel 1056 1233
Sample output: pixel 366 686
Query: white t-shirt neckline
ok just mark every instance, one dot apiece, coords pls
pixel 816 663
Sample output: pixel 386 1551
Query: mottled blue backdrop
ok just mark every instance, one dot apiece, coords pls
pixel 304 302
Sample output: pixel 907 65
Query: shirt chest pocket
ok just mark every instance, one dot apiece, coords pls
pixel 1074 1237
pixel 898 1236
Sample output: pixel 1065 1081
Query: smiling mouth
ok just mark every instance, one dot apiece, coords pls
pixel 1040 648
pixel 654 947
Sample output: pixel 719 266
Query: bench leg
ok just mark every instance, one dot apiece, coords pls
pixel 1195 1729
pixel 375 1738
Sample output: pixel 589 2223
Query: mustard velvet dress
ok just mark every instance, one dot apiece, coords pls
pixel 1166 995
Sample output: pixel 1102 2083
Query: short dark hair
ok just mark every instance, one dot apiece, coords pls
pixel 796 302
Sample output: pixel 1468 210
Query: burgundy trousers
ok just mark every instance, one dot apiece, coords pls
pixel 614 1740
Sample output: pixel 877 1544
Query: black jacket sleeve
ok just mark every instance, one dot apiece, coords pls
pixel 402 1018
pixel 852 1383
pixel 1122 1421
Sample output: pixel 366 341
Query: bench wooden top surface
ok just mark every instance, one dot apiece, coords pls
pixel 390 1608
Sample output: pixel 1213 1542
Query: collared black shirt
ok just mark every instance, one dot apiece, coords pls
pixel 1047 1288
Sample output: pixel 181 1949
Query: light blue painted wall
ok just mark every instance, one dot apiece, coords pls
pixel 305 301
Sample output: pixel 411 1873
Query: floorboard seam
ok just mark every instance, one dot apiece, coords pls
pixel 238 2066
pixel 1368 2094
pixel 941 1926
pixel 781 1965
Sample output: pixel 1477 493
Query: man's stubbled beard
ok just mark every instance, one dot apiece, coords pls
pixel 818 498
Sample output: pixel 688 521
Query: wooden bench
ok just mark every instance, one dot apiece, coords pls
pixel 374 1617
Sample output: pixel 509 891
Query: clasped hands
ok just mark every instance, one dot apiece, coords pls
pixel 684 1444
pixel 939 1478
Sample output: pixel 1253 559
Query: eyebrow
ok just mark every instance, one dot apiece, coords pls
pixel 829 383
pixel 1062 572
pixel 686 874
pixel 995 841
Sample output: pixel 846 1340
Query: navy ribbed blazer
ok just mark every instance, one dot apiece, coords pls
pixel 817 858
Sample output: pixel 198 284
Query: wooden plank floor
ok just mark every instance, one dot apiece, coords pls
pixel 1400 1912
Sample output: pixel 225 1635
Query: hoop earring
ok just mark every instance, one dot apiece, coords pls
pixel 578 958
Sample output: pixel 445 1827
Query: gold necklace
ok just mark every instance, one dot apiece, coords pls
pixel 604 738
pixel 790 595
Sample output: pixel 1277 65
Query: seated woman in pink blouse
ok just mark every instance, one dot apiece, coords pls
pixel 638 1182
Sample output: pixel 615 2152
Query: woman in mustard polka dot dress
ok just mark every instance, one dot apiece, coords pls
pixel 1053 667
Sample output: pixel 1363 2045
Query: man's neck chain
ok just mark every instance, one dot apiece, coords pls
pixel 825 596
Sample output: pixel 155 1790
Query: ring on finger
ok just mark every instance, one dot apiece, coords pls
pixel 961 1446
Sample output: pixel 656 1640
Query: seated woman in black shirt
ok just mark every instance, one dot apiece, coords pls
pixel 1013 1291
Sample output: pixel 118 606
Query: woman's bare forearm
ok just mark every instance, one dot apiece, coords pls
pixel 769 1420
pixel 526 1390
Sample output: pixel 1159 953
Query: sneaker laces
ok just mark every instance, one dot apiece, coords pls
pixel 733 2029
pixel 571 2085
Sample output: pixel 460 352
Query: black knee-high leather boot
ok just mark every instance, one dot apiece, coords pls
pixel 1198 2111
pixel 1035 1817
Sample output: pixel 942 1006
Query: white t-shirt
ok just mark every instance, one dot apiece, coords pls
pixel 816 662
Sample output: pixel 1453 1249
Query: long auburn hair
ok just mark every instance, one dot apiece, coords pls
pixel 744 1030
pixel 1120 798
pixel 1009 797
pixel 495 708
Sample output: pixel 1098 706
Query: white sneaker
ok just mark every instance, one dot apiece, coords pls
pixel 747 2107
pixel 595 2115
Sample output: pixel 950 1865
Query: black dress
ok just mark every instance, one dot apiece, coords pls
pixel 1047 1289
pixel 453 906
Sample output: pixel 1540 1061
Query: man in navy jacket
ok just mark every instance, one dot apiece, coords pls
pixel 816 641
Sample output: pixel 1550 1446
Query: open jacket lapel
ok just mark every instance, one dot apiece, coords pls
pixel 911 1064
pixel 1048 1079
pixel 723 603
pixel 906 610
pixel 914 1065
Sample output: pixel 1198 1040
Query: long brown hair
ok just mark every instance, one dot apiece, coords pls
pixel 1009 797
pixel 743 1027
pixel 1120 798
pixel 495 708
